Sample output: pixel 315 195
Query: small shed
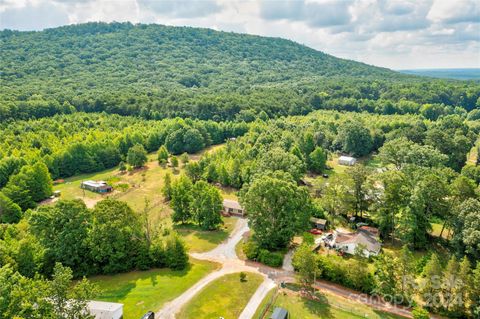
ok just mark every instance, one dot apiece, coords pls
pixel 96 186
pixel 105 310
pixel 232 207
pixel 319 223
pixel 279 313
pixel 347 160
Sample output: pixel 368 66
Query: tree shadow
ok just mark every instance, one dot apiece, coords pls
pixel 319 306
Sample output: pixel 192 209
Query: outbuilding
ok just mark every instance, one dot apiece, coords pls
pixel 347 160
pixel 319 223
pixel 96 186
pixel 279 313
pixel 105 310
pixel 232 207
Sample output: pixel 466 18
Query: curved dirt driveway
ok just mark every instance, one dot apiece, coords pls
pixel 224 254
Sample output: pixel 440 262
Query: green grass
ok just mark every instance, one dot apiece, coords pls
pixel 146 184
pixel 328 306
pixel 225 297
pixel 198 240
pixel 141 291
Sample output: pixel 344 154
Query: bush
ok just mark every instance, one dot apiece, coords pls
pixel 350 273
pixel 420 313
pixel 243 277
pixel 251 250
pixel 272 259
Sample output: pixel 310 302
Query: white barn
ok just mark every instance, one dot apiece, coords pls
pixel 347 160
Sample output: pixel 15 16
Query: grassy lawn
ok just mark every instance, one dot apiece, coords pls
pixel 146 185
pixel 329 306
pixel 225 297
pixel 198 240
pixel 141 291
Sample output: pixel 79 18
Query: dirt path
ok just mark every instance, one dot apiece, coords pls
pixel 257 298
pixel 224 254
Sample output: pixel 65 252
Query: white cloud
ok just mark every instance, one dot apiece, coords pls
pixel 390 33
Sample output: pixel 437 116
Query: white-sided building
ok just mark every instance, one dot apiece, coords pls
pixel 349 242
pixel 232 207
pixel 105 310
pixel 347 160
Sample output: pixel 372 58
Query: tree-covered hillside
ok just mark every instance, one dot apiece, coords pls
pixel 158 71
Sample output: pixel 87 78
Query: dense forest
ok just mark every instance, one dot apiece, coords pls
pixel 158 71
pixel 85 98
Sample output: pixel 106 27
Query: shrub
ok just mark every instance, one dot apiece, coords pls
pixel 251 250
pixel 350 273
pixel 243 277
pixel 272 259
pixel 420 313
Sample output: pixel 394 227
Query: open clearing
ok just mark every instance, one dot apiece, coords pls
pixel 225 297
pixel 145 185
pixel 328 306
pixel 199 241
pixel 141 291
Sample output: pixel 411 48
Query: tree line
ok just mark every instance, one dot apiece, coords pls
pixel 190 72
pixel 68 145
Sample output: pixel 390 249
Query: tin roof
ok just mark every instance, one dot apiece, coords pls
pixel 229 203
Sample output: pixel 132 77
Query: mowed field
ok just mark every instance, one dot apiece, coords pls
pixel 225 297
pixel 142 291
pixel 327 306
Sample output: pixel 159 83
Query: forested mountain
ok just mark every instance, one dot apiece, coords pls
pixel 158 71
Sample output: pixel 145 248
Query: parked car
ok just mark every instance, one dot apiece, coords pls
pixel 149 315
pixel 315 231
pixel 361 224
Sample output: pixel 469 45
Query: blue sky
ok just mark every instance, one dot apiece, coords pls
pixel 397 34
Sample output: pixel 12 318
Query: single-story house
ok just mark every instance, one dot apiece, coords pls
pixel 96 186
pixel 319 223
pixel 105 310
pixel 279 313
pixel 373 230
pixel 347 160
pixel 233 207
pixel 349 243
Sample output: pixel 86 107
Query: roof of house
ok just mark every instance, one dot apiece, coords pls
pixel 103 306
pixel 347 158
pixel 361 237
pixel 279 313
pixel 95 183
pixel 318 220
pixel 229 203
pixel 373 230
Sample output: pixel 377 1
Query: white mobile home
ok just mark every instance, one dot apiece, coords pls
pixel 347 160
pixel 232 207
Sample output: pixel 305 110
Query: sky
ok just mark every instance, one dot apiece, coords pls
pixel 399 34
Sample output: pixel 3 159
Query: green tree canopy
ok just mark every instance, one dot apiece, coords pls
pixel 137 156
pixel 277 209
